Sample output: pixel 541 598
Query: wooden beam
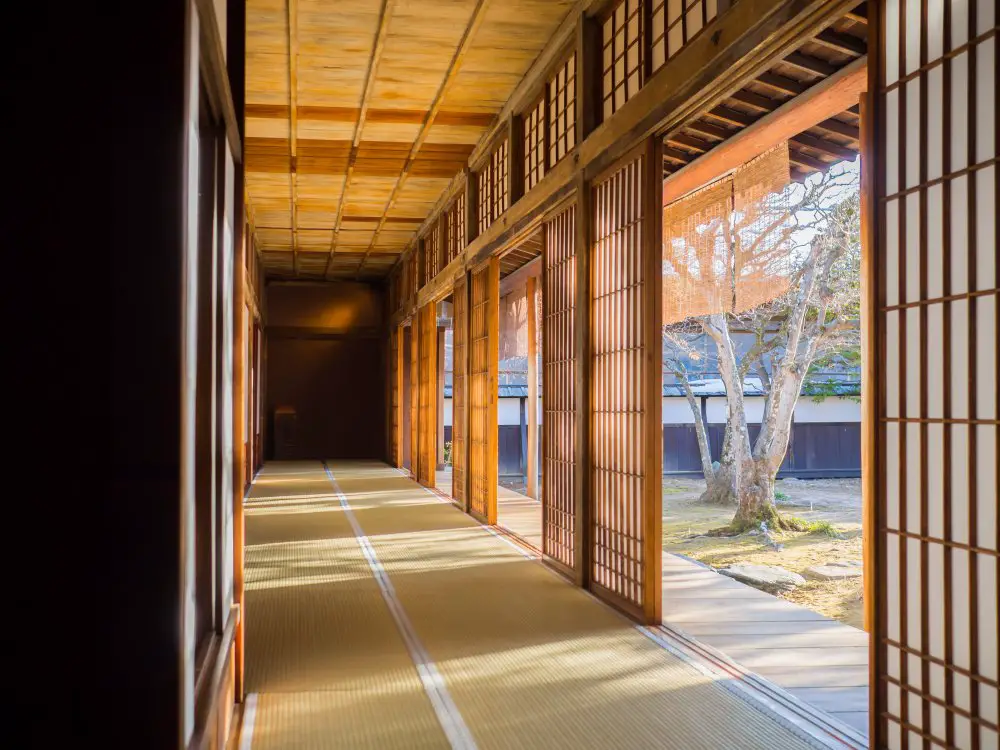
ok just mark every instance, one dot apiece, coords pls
pixel 804 160
pixel 532 487
pixel 359 125
pixel 782 83
pixel 454 66
pixel 841 42
pixel 530 270
pixel 824 146
pixel 820 102
pixel 810 64
pixel 746 41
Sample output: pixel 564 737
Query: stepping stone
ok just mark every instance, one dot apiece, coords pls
pixel 834 572
pixel 765 577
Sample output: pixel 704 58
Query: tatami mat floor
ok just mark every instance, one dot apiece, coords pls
pixel 385 617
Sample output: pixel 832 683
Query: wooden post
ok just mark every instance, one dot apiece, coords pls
pixel 399 384
pixel 532 389
pixel 515 155
pixel 652 324
pixel 414 398
pixel 868 373
pixel 493 358
pixel 439 386
pixel 588 76
pixel 239 434
pixel 584 232
pixel 471 204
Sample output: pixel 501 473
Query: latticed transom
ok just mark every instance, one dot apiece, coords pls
pixel 455 228
pixel 622 68
pixel 494 187
pixel 534 145
pixel 562 111
pixel 674 23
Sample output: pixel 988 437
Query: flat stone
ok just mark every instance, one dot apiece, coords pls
pixel 834 572
pixel 766 577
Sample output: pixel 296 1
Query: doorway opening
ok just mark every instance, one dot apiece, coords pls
pixel 519 396
pixel 762 362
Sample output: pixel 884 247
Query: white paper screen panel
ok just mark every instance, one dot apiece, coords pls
pixel 936 327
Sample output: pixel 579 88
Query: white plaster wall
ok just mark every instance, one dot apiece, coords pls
pixel 827 410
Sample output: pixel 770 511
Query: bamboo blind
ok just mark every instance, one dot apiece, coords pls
pixel 414 398
pixel 459 443
pixel 558 387
pixel 626 381
pixel 427 426
pixel 483 353
pixel 936 330
pixel 623 68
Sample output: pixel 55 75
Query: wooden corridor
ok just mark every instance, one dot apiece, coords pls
pixel 384 617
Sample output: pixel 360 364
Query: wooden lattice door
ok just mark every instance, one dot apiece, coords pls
pixel 459 395
pixel 427 379
pixel 484 335
pixel 559 363
pixel 933 91
pixel 626 385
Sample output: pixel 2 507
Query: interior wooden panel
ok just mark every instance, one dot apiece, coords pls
pixel 395 373
pixel 459 398
pixel 415 452
pixel 484 352
pixel 626 377
pixel 936 317
pixel 427 377
pixel 559 363
pixel 371 108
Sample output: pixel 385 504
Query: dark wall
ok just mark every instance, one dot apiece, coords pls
pixel 816 449
pixel 326 360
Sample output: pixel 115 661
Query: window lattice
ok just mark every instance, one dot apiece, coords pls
pixel 455 228
pixel 674 23
pixel 494 188
pixel 534 145
pixel 622 55
pixel 562 111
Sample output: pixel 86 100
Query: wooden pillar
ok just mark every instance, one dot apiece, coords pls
pixel 239 433
pixel 588 76
pixel 414 397
pixel 652 341
pixel 493 358
pixel 581 512
pixel 515 155
pixel 868 374
pixel 532 389
pixel 440 397
pixel 471 203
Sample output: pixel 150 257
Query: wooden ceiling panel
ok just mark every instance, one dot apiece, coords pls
pixel 387 109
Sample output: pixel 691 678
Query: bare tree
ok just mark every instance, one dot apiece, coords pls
pixel 815 318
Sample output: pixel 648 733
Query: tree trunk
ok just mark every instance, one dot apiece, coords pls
pixel 756 498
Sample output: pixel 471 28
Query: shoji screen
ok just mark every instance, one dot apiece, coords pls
pixel 558 389
pixel 935 102
pixel 483 361
pixel 427 426
pixel 626 382
pixel 414 398
pixel 459 395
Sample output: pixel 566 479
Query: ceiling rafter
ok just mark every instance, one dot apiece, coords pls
pixel 456 61
pixel 293 75
pixel 359 125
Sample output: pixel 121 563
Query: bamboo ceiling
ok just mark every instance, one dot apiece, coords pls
pixel 360 112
